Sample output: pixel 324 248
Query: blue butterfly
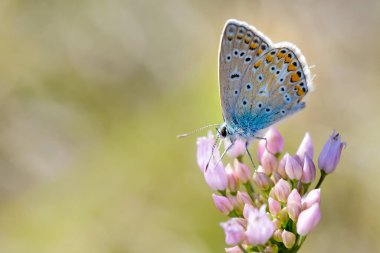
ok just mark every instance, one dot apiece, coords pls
pixel 260 82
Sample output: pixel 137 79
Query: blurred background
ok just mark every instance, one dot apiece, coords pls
pixel 93 93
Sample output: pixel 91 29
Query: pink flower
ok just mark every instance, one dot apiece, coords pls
pixel 274 206
pixel 313 197
pixel 294 205
pixel 281 166
pixel 233 230
pixel 223 204
pixel 308 219
pixel 234 249
pixel 306 147
pixel 268 162
pixel 274 143
pixel 308 170
pixel 247 209
pixel 243 198
pixel 204 149
pixel 259 228
pixel 242 171
pixel 237 149
pixel 216 176
pixel 262 180
pixel 232 181
pixel 293 168
pixel 282 190
pixel 330 154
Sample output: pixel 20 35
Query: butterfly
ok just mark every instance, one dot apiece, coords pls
pixel 260 82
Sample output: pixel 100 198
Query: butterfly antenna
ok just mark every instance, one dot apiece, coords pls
pixel 196 131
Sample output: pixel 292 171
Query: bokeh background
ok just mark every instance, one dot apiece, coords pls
pixel 93 93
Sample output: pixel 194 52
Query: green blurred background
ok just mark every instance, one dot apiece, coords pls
pixel 93 93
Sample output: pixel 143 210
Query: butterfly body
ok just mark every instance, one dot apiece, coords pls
pixel 260 82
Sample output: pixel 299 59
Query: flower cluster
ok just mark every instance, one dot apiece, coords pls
pixel 271 208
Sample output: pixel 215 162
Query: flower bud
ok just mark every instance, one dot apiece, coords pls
pixel 242 171
pixel 281 166
pixel 223 204
pixel 330 154
pixel 277 235
pixel 271 249
pixel 204 149
pixel 268 162
pixel 294 205
pixel 262 180
pixel 293 168
pixel 275 177
pixel 288 238
pixel 276 223
pixel 282 190
pixel 308 170
pixel 232 181
pixel 243 198
pixel 284 216
pixel 274 206
pixel 233 230
pixel 308 219
pixel 237 149
pixel 306 147
pixel 313 197
pixel 274 143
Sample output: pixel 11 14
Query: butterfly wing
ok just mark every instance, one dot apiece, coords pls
pixel 241 45
pixel 272 88
pixel 260 82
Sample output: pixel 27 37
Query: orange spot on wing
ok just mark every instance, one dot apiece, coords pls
pixel 239 36
pixel 253 45
pixel 299 91
pixel 246 40
pixel 269 58
pixel 295 78
pixel 259 51
pixel 291 67
pixel 288 59
pixel 280 55
pixel 257 64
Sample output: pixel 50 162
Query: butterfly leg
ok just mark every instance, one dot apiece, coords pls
pixel 212 152
pixel 224 152
pixel 266 143
pixel 249 154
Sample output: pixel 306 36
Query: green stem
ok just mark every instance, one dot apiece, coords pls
pixel 248 186
pixel 323 175
pixel 299 244
pixel 242 248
